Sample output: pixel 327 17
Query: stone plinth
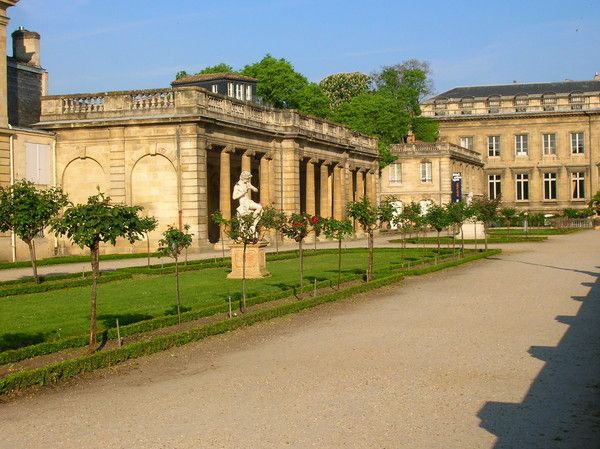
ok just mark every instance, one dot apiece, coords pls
pixel 256 261
pixel 473 230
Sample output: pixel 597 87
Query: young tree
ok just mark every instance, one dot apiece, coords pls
pixel 370 217
pixel 297 228
pixel 337 230
pixel 99 221
pixel 170 245
pixel 273 219
pixel 26 211
pixel 218 219
pixel 458 213
pixel 486 211
pixel 438 218
pixel 595 202
pixel 509 214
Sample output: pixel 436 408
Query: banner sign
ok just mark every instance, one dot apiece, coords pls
pixel 456 187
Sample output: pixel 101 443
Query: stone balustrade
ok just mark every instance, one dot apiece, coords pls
pixel 193 101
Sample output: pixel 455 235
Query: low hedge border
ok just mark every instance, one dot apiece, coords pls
pixel 70 368
pixel 491 240
pixel 71 259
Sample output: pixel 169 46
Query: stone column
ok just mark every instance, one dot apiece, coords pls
pixel 325 196
pixel 310 187
pixel 370 187
pixel 225 183
pixel 360 185
pixel 246 161
pixel 265 181
pixel 338 197
pixel 349 185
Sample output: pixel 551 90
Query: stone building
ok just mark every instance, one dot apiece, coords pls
pixel 423 173
pixel 178 152
pixel 232 85
pixel 540 142
pixel 25 152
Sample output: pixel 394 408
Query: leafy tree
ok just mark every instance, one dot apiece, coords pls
pixel 425 129
pixel 274 219
pixel 343 87
pixel 438 218
pixel 337 230
pixel 278 83
pixel 218 219
pixel 26 211
pixel 312 101
pixel 219 68
pixel 486 211
pixel 458 213
pixel 170 245
pixel 595 202
pixel 370 217
pixel 87 225
pixel 509 214
pixel 297 228
pixel 181 74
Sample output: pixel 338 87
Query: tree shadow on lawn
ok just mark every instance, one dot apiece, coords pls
pixel 20 339
pixel 109 320
pixel 173 309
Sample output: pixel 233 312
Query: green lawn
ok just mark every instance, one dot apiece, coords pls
pixel 33 318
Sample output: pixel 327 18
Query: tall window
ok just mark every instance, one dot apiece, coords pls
pixel 466 105
pixel 578 185
pixel 37 163
pixel 395 173
pixel 576 100
pixel 522 187
pixel 521 102
pixel 248 93
pixel 549 102
pixel 549 186
pixel 549 144
pixel 214 88
pixel 577 143
pixel 494 187
pixel 521 146
pixel 493 104
pixel 230 91
pixel 239 91
pixel 467 142
pixel 426 172
pixel 493 146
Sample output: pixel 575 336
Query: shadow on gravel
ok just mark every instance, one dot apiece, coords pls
pixel 562 407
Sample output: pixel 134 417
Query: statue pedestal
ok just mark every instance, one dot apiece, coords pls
pixel 256 261
pixel 473 230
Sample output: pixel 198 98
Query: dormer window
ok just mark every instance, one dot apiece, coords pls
pixel 440 107
pixel 576 101
pixel 466 106
pixel 549 102
pixel 493 104
pixel 520 103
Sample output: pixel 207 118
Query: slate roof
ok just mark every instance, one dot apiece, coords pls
pixel 510 90
pixel 211 77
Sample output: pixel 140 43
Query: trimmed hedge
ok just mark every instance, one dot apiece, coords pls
pixel 69 368
pixel 45 287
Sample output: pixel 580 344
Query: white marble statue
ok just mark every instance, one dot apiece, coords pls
pixel 242 192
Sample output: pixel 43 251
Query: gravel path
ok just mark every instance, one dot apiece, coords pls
pixel 501 353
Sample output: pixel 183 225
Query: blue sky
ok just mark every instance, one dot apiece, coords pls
pixel 101 45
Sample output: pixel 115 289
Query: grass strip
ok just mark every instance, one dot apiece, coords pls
pixel 70 368
pixel 491 240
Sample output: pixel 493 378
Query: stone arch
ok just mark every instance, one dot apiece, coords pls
pixel 153 183
pixel 82 177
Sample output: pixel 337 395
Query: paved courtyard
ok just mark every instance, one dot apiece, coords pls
pixel 501 353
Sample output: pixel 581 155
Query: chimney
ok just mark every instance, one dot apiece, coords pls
pixel 26 47
pixel 597 77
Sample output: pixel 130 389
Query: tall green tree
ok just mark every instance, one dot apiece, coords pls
pixel 458 213
pixel 27 211
pixel 100 221
pixel 274 220
pixel 508 214
pixel 343 87
pixel 171 245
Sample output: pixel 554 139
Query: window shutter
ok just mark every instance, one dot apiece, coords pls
pixel 43 164
pixel 31 162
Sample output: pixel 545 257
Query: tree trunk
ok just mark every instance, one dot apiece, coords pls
pixel 148 250
pixel 370 265
pixel 475 229
pixel 276 241
pixel 438 241
pixel 177 288
pixel 315 241
pixel 222 246
pixel 339 262
pixel 31 245
pixel 243 308
pixel 462 242
pixel 94 253
pixel 301 253
pixel 485 236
